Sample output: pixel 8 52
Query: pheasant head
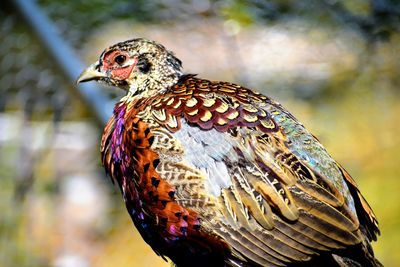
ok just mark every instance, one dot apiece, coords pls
pixel 139 66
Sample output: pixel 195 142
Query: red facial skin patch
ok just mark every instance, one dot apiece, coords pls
pixel 118 72
pixel 123 73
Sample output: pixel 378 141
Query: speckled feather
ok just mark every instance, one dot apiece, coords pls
pixel 268 177
pixel 215 174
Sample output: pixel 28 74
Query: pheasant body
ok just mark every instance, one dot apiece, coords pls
pixel 213 173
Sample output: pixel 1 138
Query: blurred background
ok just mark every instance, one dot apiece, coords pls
pixel 335 64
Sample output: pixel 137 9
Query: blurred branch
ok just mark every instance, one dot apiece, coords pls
pixel 64 57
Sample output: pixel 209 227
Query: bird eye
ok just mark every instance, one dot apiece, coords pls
pixel 120 59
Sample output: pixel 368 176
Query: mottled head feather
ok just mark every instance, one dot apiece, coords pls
pixel 140 66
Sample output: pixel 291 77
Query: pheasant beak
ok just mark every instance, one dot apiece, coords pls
pixel 90 74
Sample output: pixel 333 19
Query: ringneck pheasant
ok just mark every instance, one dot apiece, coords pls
pixel 215 174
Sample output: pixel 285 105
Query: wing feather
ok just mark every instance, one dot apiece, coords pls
pixel 308 237
pixel 279 195
pixel 247 248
